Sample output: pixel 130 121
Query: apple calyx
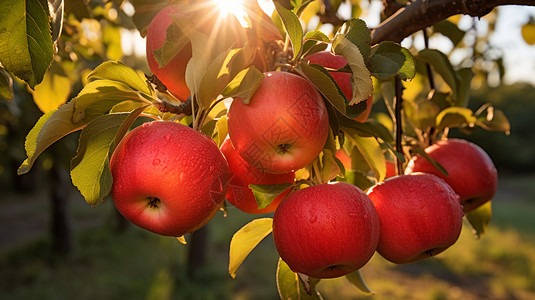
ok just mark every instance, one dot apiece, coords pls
pixel 154 202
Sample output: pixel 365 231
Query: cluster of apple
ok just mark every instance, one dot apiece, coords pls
pixel 171 179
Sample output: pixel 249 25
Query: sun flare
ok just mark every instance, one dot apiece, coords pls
pixel 234 7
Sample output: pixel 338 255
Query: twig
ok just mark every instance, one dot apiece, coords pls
pixel 420 14
pixel 399 129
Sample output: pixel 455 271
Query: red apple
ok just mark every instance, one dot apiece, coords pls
pixel 242 174
pixel 390 169
pixel 327 230
pixel 168 178
pixel 420 216
pixel 173 74
pixel 471 172
pixel 283 127
pixel 332 61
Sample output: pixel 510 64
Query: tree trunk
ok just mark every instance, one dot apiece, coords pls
pixel 61 223
pixel 197 251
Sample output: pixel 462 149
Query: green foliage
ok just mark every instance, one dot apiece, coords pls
pixel 26 47
pixel 265 193
pixel 291 286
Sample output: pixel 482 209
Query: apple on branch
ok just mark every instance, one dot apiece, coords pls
pixel 471 172
pixel 168 178
pixel 242 175
pixel 283 127
pixel 326 230
pixel 420 216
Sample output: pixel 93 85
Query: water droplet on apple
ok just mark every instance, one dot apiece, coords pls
pixel 156 162
pixel 167 137
pixel 313 219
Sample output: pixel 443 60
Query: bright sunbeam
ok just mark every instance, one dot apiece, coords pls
pixel 234 7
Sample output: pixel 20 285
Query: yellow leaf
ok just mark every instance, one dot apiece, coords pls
pixel 245 240
pixel 528 33
pixel 53 91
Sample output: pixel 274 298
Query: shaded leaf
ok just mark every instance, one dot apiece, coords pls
pixel 290 287
pixel 265 193
pixel 244 84
pixel 293 27
pixel 358 281
pixel 145 10
pixel 245 240
pixel 479 218
pixel 441 64
pixel 370 150
pixel 449 30
pixel 6 85
pixel 493 119
pixel 26 47
pixel 389 59
pixel 358 33
pixel 454 117
pixel 326 85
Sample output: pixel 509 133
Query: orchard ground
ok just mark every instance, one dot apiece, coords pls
pixel 137 264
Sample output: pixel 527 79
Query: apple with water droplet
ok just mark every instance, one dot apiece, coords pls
pixel 242 174
pixel 283 127
pixel 471 172
pixel 168 178
pixel 327 230
pixel 420 216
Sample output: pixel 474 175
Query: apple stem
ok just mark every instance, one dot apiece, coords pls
pixel 399 129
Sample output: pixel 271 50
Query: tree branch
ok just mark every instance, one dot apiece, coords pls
pixel 423 13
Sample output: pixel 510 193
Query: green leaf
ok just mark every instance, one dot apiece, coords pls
pixel 371 128
pixel 245 240
pixel 358 33
pixel 326 85
pixel 90 171
pixel 449 30
pixel 293 27
pixel 95 99
pixel 145 11
pixel 389 59
pixel 26 47
pixel 317 35
pixel 6 85
pixel 265 193
pixel 370 150
pixel 440 62
pixel 492 119
pixel 454 117
pixel 463 87
pixel 433 162
pixel 329 166
pixel 361 81
pixel 290 286
pixel 175 41
pixel 358 281
pixel 117 71
pixel 244 84
pixel 480 218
